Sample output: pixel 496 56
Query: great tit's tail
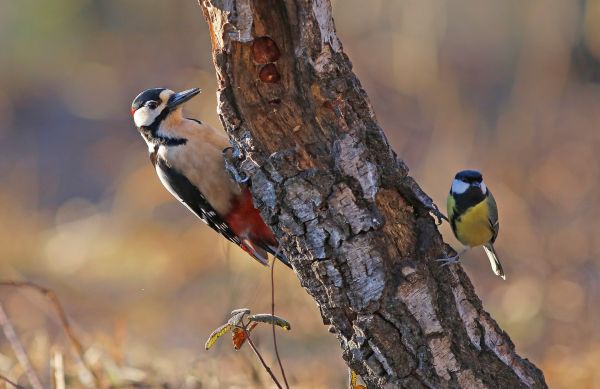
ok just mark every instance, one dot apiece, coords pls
pixel 494 261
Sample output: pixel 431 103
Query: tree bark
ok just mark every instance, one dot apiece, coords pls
pixel 356 228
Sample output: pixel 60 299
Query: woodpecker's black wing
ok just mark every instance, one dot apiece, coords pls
pixel 191 197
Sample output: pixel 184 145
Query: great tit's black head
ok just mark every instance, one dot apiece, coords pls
pixel 468 179
pixel 153 105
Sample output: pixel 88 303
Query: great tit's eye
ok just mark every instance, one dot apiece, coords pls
pixel 152 104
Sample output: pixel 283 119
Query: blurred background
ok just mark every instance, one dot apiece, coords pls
pixel 507 87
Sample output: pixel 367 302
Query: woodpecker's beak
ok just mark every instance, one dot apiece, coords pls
pixel 181 97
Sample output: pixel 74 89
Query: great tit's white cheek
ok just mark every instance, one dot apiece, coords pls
pixel 483 187
pixel 459 187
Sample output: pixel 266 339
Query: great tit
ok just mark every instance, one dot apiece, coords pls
pixel 473 216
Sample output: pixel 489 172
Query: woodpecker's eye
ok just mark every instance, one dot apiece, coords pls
pixel 152 104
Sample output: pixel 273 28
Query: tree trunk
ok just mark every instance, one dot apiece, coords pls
pixel 356 228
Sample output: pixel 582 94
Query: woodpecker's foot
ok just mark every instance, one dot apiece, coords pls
pixel 449 260
pixel 230 167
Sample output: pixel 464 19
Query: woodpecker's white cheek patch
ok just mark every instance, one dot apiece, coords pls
pixel 459 187
pixel 145 116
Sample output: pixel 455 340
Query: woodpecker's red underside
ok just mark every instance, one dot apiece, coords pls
pixel 245 221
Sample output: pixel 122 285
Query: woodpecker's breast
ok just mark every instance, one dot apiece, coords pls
pixel 200 159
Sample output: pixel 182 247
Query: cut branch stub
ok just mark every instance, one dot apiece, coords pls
pixel 354 225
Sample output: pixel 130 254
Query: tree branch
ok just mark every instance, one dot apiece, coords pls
pixel 355 226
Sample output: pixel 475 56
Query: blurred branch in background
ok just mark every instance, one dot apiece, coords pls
pixel 89 376
pixel 19 350
pixel 3 378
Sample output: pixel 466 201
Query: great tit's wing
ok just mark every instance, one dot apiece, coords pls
pixel 451 210
pixel 493 215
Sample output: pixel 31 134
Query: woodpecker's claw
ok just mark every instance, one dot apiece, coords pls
pixel 235 153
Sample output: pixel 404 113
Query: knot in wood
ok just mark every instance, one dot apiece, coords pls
pixel 265 50
pixel 269 74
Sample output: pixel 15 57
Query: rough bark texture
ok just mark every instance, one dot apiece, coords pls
pixel 355 226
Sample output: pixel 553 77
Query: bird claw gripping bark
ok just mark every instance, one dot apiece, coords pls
pixel 449 260
pixel 453 260
pixel 229 165
pixel 416 192
pixel 437 213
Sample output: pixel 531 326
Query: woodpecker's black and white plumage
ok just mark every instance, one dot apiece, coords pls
pixel 187 156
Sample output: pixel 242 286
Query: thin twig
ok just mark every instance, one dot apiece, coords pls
pixel 5 379
pixel 18 349
pixel 64 321
pixel 273 322
pixel 267 368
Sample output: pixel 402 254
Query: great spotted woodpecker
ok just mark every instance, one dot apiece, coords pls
pixel 187 156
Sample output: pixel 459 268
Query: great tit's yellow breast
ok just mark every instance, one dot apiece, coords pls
pixel 472 228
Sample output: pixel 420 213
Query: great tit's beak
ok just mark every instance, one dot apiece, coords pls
pixel 181 97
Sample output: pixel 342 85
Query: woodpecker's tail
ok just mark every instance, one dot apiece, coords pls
pixel 494 261
pixel 255 251
pixel 277 252
pixel 259 252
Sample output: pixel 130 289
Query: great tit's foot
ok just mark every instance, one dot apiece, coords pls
pixel 410 187
pixel 230 167
pixel 438 214
pixel 449 260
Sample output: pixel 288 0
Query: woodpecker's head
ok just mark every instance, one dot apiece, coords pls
pixel 151 107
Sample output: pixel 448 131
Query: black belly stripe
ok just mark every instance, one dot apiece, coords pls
pixel 464 201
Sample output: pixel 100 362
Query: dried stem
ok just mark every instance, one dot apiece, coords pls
pixel 18 349
pixel 64 321
pixel 58 371
pixel 273 323
pixel 267 368
pixel 5 379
